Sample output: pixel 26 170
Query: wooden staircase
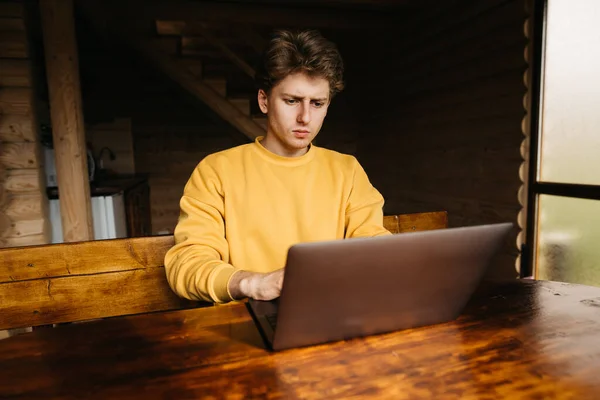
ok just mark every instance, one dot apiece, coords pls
pixel 213 61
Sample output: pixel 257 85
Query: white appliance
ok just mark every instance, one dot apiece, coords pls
pixel 108 215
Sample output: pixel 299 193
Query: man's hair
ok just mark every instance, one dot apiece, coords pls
pixel 306 51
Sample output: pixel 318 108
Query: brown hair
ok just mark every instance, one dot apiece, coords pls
pixel 306 51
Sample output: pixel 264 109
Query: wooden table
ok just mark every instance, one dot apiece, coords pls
pixel 516 340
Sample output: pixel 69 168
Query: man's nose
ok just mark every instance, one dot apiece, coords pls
pixel 304 114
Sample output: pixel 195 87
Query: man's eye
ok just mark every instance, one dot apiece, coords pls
pixel 318 104
pixel 291 101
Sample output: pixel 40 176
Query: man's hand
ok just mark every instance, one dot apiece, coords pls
pixel 256 285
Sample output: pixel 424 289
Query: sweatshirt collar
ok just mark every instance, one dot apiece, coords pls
pixel 281 160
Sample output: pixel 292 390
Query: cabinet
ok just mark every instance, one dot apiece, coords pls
pixel 128 209
pixel 137 209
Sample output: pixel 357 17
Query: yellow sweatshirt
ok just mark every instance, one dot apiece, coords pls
pixel 242 209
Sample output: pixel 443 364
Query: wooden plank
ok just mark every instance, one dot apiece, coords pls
pixel 506 36
pixel 21 241
pixel 67 118
pixel 83 258
pixel 22 181
pixel 15 101
pixel 443 20
pixel 5 226
pixel 416 222
pixel 11 9
pixel 280 15
pixel 4 196
pixel 13 45
pixel 503 60
pixel 483 89
pixel 25 207
pixel 79 298
pixel 170 28
pixel 8 24
pixel 484 25
pixel 23 228
pixel 15 73
pixel 19 155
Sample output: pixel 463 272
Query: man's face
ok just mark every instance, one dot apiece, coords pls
pixel 295 108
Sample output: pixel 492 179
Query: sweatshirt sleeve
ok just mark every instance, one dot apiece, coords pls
pixel 364 209
pixel 197 266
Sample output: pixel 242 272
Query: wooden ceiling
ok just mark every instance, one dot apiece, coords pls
pixel 340 4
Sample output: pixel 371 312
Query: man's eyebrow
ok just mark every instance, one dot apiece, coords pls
pixel 302 97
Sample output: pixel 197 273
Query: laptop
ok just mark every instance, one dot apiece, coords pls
pixel 342 289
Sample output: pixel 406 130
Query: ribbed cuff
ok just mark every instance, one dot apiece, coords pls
pixel 221 283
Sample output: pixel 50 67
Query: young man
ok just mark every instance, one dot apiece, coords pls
pixel 242 208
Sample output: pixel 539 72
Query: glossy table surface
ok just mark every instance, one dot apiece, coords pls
pixel 517 340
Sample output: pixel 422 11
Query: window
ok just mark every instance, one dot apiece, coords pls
pixel 564 198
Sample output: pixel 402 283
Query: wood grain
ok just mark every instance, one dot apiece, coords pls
pixel 517 340
pixel 15 101
pixel 19 155
pixel 27 206
pixel 447 134
pixel 16 128
pixel 85 297
pixel 25 180
pixel 49 284
pixel 15 72
pixel 29 240
pixel 13 44
pixel 415 222
pixel 11 9
pixel 84 258
pixel 22 228
pixel 67 118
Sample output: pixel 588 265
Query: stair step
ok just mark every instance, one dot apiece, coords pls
pixel 242 104
pixel 167 45
pixel 218 84
pixel 193 65
pixel 170 27
pixel 262 121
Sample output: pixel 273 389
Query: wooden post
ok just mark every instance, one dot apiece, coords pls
pixel 66 111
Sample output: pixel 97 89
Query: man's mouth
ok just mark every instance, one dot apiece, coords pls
pixel 300 133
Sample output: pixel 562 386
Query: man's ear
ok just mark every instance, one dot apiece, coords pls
pixel 263 101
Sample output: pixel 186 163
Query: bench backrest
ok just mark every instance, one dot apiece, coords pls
pixel 49 284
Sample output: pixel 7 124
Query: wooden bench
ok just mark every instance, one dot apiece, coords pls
pixel 416 222
pixel 50 284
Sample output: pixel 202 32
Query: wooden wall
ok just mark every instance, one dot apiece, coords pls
pixel 23 203
pixel 115 135
pixel 432 109
pixel 442 126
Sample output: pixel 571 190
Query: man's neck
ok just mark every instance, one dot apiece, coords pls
pixel 275 147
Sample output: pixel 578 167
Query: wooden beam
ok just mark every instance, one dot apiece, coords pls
pixel 67 119
pixel 279 15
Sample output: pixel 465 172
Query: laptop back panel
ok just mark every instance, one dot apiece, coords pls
pixel 356 287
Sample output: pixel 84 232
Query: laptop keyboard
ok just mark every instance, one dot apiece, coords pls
pixel 272 320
